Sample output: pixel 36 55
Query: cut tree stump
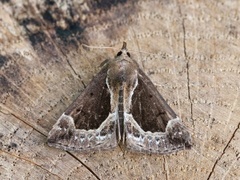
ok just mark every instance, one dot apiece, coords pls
pixel 189 49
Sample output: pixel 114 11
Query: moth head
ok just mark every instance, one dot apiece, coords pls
pixel 123 52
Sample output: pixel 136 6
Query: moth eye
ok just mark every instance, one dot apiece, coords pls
pixel 150 96
pixel 91 94
pixel 119 53
pixel 128 54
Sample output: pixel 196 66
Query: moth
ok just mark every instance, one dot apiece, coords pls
pixel 120 106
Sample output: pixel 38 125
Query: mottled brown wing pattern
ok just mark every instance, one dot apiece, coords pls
pixel 149 108
pixel 153 127
pixel 92 107
pixel 120 98
pixel 87 124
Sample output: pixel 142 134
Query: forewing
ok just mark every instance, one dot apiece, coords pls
pixel 92 107
pixel 149 108
pixel 87 124
pixel 153 127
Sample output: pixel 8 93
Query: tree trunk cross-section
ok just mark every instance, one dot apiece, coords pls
pixel 189 49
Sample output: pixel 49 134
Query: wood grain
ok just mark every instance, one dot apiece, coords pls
pixel 190 49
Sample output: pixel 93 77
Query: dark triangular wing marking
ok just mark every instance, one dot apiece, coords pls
pixel 153 127
pixel 92 107
pixel 149 108
pixel 87 124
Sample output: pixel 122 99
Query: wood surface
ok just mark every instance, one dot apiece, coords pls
pixel 190 49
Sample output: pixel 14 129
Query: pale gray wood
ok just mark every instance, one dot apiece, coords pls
pixel 189 49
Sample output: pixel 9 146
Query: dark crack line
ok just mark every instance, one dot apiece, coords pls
pixel 165 168
pixel 70 65
pixel 63 54
pixel 187 64
pixel 11 114
pixel 31 162
pixel 60 50
pixel 223 152
pixel 68 62
pixel 91 171
pixel 75 157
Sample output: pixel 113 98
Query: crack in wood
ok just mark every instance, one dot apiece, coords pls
pixel 187 64
pixel 223 152
pixel 165 168
pixel 31 162
pixel 88 168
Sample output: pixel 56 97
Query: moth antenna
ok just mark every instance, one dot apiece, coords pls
pixel 108 47
pixel 98 47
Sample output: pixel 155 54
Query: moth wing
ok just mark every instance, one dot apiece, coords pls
pixel 153 127
pixel 87 124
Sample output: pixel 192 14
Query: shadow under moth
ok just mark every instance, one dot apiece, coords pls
pixel 120 106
